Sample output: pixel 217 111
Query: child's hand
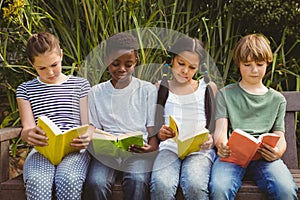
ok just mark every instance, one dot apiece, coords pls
pixel 223 151
pixel 269 153
pixel 141 149
pixel 82 141
pixel 208 144
pixel 165 133
pixel 35 136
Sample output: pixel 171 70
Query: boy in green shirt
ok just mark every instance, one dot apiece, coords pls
pixel 252 107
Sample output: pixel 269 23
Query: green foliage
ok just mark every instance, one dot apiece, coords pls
pixel 82 26
pixel 268 16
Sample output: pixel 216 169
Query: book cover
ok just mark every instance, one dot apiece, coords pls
pixel 58 141
pixel 244 146
pixel 270 139
pixel 190 144
pixel 105 143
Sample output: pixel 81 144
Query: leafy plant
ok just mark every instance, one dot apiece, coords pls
pixel 83 26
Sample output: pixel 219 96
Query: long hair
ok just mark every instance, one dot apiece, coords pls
pixel 181 45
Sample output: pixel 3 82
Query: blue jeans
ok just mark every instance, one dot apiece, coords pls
pixel 101 178
pixel 169 172
pixel 273 178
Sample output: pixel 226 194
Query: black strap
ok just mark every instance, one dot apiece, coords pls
pixel 210 108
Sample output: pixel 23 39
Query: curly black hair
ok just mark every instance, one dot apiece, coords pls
pixel 123 40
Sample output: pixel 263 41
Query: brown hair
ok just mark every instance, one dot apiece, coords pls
pixel 41 43
pixel 253 47
pixel 191 45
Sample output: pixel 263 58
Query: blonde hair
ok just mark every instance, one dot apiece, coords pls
pixel 253 47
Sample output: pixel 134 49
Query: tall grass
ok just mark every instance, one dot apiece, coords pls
pixel 83 26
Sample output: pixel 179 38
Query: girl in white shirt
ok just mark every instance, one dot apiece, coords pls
pixel 184 98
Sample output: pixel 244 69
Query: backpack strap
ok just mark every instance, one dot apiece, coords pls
pixel 210 107
pixel 163 93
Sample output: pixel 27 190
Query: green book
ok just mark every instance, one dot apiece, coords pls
pixel 105 143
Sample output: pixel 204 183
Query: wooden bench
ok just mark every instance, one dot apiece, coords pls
pixel 14 188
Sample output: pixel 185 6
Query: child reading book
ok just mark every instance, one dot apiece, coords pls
pixel 190 143
pixel 64 100
pixel 120 105
pixel 240 139
pixel 184 99
pixel 58 141
pixel 256 109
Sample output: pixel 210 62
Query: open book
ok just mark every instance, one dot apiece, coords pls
pixel 244 146
pixel 58 141
pixel 189 144
pixel 105 143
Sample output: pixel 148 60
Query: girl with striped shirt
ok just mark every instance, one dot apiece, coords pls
pixel 64 100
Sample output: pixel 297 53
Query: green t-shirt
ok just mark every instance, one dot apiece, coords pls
pixel 255 114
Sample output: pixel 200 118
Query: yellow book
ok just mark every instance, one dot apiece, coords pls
pixel 58 141
pixel 189 144
pixel 105 143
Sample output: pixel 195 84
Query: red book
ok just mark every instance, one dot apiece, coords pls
pixel 244 146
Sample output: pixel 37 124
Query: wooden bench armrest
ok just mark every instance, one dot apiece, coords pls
pixel 9 133
pixel 6 134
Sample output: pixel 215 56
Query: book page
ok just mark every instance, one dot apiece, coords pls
pixel 193 135
pixel 131 134
pixel 45 123
pixel 247 135
pixel 100 135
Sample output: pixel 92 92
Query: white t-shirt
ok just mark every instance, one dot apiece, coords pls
pixel 124 110
pixel 189 112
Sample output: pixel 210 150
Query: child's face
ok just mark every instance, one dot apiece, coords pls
pixel 252 72
pixel 122 67
pixel 184 66
pixel 48 66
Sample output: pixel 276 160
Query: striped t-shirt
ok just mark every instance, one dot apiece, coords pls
pixel 59 102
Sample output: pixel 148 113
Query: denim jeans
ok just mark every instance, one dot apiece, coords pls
pixel 101 178
pixel 273 178
pixel 169 172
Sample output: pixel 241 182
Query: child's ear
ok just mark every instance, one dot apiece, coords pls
pixel 137 58
pixel 61 54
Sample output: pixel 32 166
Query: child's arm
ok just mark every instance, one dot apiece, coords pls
pixel 83 103
pixel 220 137
pixel 271 154
pixel 31 133
pixel 83 141
pixel 152 141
